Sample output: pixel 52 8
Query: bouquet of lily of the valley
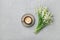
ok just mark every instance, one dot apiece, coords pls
pixel 44 18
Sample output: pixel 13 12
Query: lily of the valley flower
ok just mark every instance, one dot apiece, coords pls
pixel 44 18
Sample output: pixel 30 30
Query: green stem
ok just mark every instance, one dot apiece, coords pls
pixel 39 28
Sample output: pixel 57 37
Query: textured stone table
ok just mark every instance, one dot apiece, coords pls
pixel 11 27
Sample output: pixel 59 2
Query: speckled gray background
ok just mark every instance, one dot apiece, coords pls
pixel 11 27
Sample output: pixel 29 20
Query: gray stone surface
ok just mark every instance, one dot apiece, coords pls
pixel 11 27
